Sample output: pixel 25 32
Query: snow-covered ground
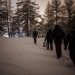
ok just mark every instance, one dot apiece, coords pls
pixel 20 56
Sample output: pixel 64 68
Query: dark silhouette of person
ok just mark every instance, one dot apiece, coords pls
pixel 35 34
pixel 70 43
pixel 58 36
pixel 49 38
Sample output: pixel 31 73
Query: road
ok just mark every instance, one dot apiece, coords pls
pixel 20 56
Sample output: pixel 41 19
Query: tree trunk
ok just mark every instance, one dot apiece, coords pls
pixel 27 30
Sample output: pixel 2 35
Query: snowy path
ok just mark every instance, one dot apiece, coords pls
pixel 19 56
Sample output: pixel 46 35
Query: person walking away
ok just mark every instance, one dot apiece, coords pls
pixel 35 34
pixel 58 36
pixel 49 38
pixel 70 43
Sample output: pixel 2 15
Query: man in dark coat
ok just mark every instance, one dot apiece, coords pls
pixel 49 38
pixel 58 36
pixel 70 42
pixel 35 34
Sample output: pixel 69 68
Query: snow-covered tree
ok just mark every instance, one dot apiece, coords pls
pixel 70 7
pixel 27 11
pixel 3 16
pixel 49 14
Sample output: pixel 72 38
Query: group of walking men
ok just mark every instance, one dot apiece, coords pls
pixel 59 37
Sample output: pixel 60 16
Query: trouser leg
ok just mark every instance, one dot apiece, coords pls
pixel 72 56
pixel 51 46
pixel 35 41
pixel 58 50
pixel 47 45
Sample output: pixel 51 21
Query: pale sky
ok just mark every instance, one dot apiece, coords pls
pixel 42 4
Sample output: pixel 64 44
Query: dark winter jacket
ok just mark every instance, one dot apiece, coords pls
pixel 49 36
pixel 35 33
pixel 70 41
pixel 58 35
